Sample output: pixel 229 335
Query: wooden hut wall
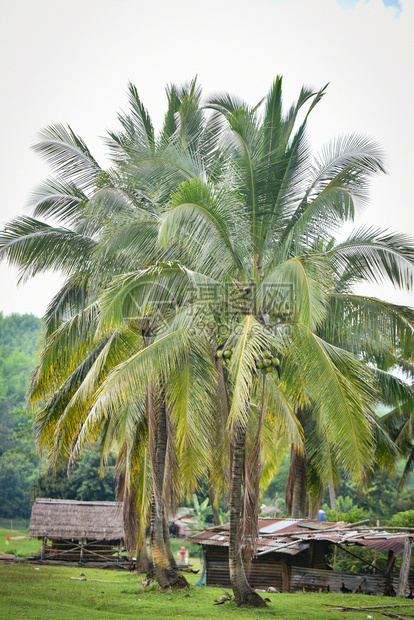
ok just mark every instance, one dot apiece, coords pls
pixel 217 559
pixel 70 551
pixel 266 571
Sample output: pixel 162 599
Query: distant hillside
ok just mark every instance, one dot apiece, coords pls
pixel 19 337
pixel 19 462
pixel 20 331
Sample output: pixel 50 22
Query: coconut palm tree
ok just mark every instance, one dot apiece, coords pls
pixel 104 216
pixel 284 206
pixel 255 238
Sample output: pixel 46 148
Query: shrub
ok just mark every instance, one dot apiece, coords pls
pixel 403 519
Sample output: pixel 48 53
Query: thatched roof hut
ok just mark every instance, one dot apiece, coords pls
pixel 78 531
pixel 67 519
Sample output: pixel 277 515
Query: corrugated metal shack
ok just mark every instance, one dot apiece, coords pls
pixel 292 555
pixel 75 531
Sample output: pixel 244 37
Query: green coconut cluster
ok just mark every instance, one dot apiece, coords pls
pixel 224 354
pixel 267 363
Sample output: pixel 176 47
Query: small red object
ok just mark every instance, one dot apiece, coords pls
pixel 8 537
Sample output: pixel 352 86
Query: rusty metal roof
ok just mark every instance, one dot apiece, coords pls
pixel 291 536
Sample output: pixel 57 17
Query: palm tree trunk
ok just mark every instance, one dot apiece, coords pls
pixel 332 495
pixel 295 491
pixel 142 563
pixel 214 507
pixel 243 593
pixel 167 543
pixel 166 575
pixel 130 519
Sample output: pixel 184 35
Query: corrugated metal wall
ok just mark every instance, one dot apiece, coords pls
pixel 312 579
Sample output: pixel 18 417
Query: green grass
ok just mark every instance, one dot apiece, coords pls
pixel 21 547
pixel 49 593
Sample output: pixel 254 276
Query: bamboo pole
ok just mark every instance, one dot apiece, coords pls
pixel 379 610
pixel 368 607
pixel 101 580
pixel 359 585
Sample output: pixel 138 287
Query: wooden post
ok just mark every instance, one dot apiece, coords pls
pixel 405 567
pixel 388 572
pixel 42 549
pixel 285 575
pixel 311 553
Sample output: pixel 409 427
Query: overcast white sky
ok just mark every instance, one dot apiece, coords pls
pixel 69 61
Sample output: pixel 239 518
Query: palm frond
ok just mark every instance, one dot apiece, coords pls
pixel 203 215
pixel 63 351
pixel 298 285
pixel 36 247
pixel 249 340
pixel 373 255
pixel 370 324
pixel 69 301
pixel 57 198
pixel 342 392
pixel 190 395
pixel 68 155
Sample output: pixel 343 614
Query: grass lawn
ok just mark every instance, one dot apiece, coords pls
pixel 49 593
pixel 20 547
